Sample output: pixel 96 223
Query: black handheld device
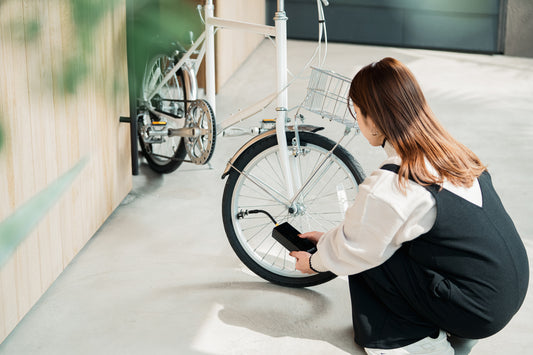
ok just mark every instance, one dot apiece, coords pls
pixel 287 236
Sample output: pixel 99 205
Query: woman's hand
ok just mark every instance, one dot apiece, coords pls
pixel 312 236
pixel 302 257
pixel 302 261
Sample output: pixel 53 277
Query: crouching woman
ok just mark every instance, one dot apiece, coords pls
pixel 433 256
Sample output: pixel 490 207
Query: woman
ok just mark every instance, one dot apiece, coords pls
pixel 432 255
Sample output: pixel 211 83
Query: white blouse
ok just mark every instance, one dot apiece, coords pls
pixel 380 220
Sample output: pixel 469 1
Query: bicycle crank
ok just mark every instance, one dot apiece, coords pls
pixel 158 130
pixel 177 132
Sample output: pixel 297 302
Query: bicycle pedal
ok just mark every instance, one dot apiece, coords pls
pixel 159 123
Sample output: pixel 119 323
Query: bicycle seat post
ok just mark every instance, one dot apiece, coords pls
pixel 210 56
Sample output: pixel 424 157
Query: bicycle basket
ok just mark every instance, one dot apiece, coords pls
pixel 327 95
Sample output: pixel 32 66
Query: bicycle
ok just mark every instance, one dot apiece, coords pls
pixel 289 173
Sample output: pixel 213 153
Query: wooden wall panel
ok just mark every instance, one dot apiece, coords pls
pixel 48 131
pixel 233 47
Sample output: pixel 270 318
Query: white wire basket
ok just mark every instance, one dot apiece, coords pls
pixel 327 96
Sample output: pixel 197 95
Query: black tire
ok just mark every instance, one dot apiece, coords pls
pixel 264 256
pixel 166 156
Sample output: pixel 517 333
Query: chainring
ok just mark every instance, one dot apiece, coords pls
pixel 200 116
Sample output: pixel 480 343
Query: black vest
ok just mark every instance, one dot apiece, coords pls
pixel 477 252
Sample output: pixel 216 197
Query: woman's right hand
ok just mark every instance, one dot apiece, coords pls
pixel 312 236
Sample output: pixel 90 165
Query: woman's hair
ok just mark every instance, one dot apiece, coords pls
pixel 388 93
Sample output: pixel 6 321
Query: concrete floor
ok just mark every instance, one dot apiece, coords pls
pixel 159 276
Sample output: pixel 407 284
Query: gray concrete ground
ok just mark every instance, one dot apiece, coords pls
pixel 159 277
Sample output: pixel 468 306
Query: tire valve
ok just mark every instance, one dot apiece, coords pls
pixel 244 213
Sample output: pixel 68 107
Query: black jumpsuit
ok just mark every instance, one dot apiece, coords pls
pixel 467 276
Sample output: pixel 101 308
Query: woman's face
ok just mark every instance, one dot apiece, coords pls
pixel 368 128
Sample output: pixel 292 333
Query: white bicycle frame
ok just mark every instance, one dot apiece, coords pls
pixel 206 42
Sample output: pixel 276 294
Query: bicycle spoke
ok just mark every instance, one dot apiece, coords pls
pixel 277 181
pixel 257 233
pixel 267 159
pixel 268 251
pixel 310 202
pixel 264 186
pixel 266 196
pixel 322 217
pixel 322 226
pixel 278 256
pixel 259 199
pixel 317 178
pixel 256 226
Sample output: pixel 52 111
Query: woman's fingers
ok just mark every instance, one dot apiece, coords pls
pixel 313 236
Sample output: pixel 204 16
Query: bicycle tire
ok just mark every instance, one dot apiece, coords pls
pixel 166 156
pixel 275 265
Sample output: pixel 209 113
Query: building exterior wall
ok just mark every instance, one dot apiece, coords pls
pixel 446 24
pixel 519 28
pixel 233 47
pixel 63 88
pixel 485 26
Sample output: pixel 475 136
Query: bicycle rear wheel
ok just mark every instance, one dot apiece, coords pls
pixel 321 206
pixel 164 154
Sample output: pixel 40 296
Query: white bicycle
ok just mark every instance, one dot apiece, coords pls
pixel 285 174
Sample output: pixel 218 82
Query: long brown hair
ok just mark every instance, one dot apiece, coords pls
pixel 388 93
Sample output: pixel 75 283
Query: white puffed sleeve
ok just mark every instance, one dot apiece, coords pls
pixel 375 226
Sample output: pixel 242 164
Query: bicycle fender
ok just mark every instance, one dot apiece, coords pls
pixel 301 128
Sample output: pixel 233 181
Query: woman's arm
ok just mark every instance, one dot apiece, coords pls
pixel 375 226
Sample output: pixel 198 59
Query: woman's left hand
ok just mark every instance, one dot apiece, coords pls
pixel 302 261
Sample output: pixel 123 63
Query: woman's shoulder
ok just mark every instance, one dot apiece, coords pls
pixel 383 185
pixel 381 179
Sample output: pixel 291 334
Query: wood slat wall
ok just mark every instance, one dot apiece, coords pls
pixel 233 47
pixel 47 131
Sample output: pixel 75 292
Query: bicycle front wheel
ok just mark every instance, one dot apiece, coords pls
pixel 164 154
pixel 256 182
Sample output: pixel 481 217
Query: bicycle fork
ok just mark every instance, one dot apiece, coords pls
pixel 280 21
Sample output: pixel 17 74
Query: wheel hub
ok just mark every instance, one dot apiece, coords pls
pixel 297 209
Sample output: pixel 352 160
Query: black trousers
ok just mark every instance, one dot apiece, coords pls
pixel 401 302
